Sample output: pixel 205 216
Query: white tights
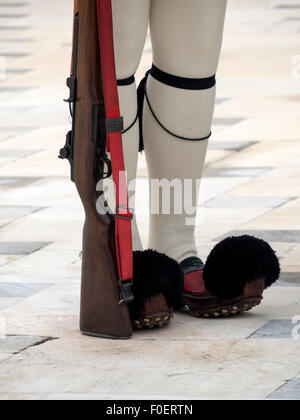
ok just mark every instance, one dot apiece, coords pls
pixel 186 38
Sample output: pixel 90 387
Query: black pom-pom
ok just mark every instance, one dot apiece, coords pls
pixel 236 261
pixel 155 273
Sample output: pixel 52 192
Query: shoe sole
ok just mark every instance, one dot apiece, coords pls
pixel 235 308
pixel 158 320
pixel 110 337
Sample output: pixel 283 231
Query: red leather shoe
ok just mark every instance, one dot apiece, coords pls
pixel 203 303
pixel 157 287
pixel 155 312
pixel 233 280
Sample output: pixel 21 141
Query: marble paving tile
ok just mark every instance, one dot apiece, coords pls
pixel 5 220
pixel 16 182
pixel 247 202
pixel 65 267
pixel 38 139
pixel 276 183
pixel 290 278
pixel 195 369
pixel 19 109
pixel 289 391
pixel 14 28
pixel 280 283
pixel 4 161
pixel 16 129
pixel 13 4
pixel 283 250
pixel 12 16
pixel 4 137
pixel 266 128
pixel 215 155
pixel 220 101
pixel 227 121
pixel 16 153
pixel 7 259
pixel 19 290
pixel 20 248
pixel 53 312
pixel 14 344
pixel 291 259
pixel 45 163
pixel 14 212
pixel 272 154
pixel 289 236
pixel 285 217
pixel 10 71
pixel 227 145
pixel 7 302
pixel 22 397
pixel 51 191
pixel 15 40
pixel 14 55
pixel 44 227
pixel 211 223
pixel 279 328
pixel 292 268
pixel 291 19
pixel 67 45
pixel 3 357
pixel 105 397
pixel 287 6
pixel 235 172
pixel 15 89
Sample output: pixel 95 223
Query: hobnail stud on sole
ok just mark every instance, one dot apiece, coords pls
pixel 228 311
pixel 151 322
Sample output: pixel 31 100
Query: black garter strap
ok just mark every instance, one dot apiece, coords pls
pixel 173 81
pixel 127 82
pixel 182 82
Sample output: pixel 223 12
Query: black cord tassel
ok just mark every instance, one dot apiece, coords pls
pixel 141 99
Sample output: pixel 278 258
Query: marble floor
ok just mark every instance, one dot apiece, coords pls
pixel 251 185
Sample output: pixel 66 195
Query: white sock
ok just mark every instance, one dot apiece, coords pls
pixel 186 37
pixel 130 22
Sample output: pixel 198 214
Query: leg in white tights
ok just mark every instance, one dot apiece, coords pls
pixel 186 37
pixel 130 19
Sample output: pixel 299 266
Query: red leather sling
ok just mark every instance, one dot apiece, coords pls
pixel 123 218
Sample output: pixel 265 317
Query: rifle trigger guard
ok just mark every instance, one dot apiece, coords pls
pixel 106 162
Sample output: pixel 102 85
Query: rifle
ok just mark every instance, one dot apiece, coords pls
pixel 105 291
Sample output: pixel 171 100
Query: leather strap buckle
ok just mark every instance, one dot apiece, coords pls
pixel 128 216
pixel 114 125
pixel 126 293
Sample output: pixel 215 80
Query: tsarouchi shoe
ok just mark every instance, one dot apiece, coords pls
pixel 157 287
pixel 233 280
